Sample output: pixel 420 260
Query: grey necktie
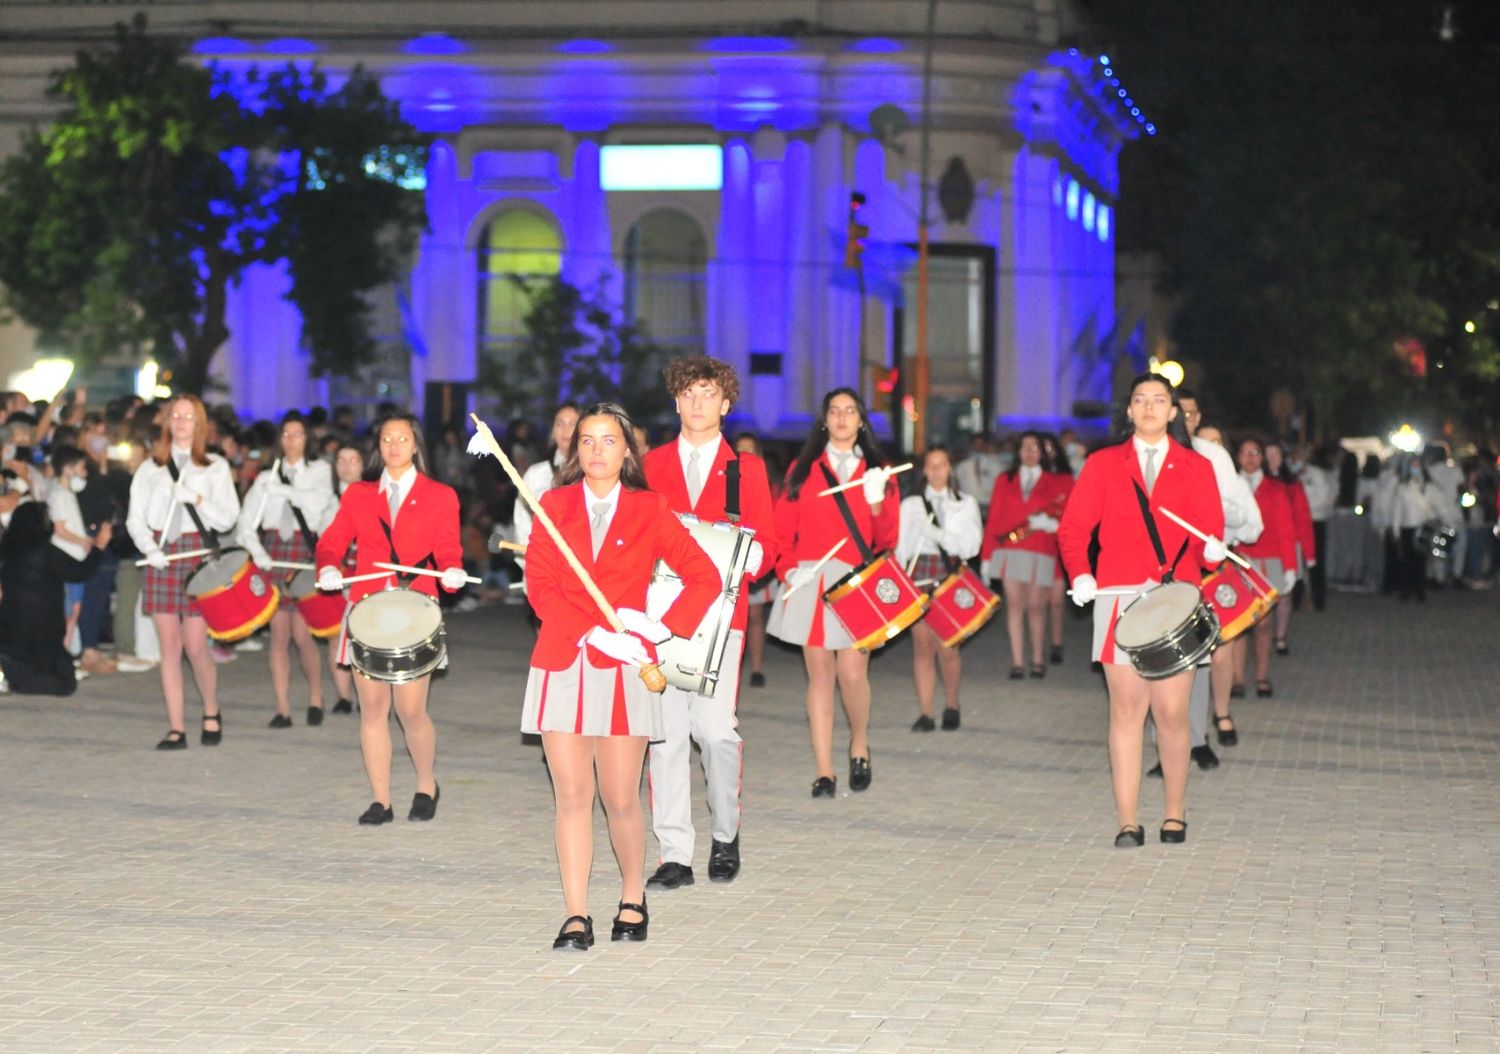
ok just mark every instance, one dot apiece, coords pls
pixel 599 525
pixel 843 464
pixel 694 478
pixel 394 497
pixel 1150 469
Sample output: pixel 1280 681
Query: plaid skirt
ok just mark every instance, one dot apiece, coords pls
pixel 293 550
pixel 929 570
pixel 165 592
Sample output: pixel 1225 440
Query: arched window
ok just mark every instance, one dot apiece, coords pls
pixel 517 244
pixel 666 271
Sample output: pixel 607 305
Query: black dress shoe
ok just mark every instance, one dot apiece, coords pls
pixel 859 773
pixel 1228 737
pixel 757 680
pixel 1057 656
pixel 212 737
pixel 724 861
pixel 174 741
pixel 925 723
pixel 1282 649
pixel 1174 835
pixel 280 721
pixel 577 940
pixel 377 814
pixel 1204 755
pixel 825 787
pixel 1236 691
pixel 344 706
pixel 670 876
pixel 630 931
pixel 424 806
pixel 1263 689
pixel 1154 771
pixel 950 718
pixel 1131 836
pixel 1018 673
pixel 1038 671
pixel 314 716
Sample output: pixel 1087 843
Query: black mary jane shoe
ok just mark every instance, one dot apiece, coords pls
pixel 757 680
pixel 376 814
pixel 1282 649
pixel 1131 836
pixel 1174 835
pixel 1236 691
pixel 1205 758
pixel 314 716
pixel 630 931
pixel 579 940
pixel 344 706
pixel 280 721
pixel 212 737
pixel 951 718
pixel 1057 656
pixel 1018 673
pixel 1038 671
pixel 1228 737
pixel 1263 689
pixel 825 787
pixel 1155 771
pixel 174 740
pixel 859 773
pixel 424 806
pixel 925 723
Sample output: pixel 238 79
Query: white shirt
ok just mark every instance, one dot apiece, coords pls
pixel 538 480
pixel 854 452
pixel 62 505
pixel 1321 490
pixel 612 499
pixel 707 453
pixel 1253 478
pixel 1243 522
pixel 154 508
pixel 1029 474
pixel 962 526
pixel 977 474
pixel 1141 446
pixel 401 487
pixel 312 486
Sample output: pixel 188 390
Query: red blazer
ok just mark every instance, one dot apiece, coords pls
pixel 427 526
pixel 1302 521
pixel 1008 510
pixel 643 529
pixel 1279 539
pixel 1103 497
pixel 807 526
pixel 664 473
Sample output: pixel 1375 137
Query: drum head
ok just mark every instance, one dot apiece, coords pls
pixel 1156 614
pixel 217 572
pixel 394 618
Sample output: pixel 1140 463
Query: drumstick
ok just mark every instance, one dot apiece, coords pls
pixel 815 569
pixel 348 580
pixel 178 556
pixel 859 482
pixel 515 547
pixel 292 565
pixel 265 496
pixel 931 516
pixel 1114 591
pixel 1196 533
pixel 424 571
pixel 483 442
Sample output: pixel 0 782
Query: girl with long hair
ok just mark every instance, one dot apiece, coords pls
pixel 1274 555
pixel 1305 544
pixel 348 469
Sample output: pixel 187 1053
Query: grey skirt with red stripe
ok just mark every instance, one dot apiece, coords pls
pixel 589 700
pixel 806 619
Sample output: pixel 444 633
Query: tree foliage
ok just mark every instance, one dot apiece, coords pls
pixel 161 181
pixel 1323 189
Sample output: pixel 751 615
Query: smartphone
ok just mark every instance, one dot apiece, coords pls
pixel 23 453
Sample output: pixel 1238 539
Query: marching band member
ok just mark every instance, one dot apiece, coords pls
pixel 700 474
pixel 839 448
pixel 348 469
pixel 280 520
pixel 1120 492
pixel 1055 459
pixel 761 592
pixel 177 494
pixel 1274 555
pixel 400 516
pixel 593 713
pixel 1306 546
pixel 939 526
pixel 538 477
pixel 1020 546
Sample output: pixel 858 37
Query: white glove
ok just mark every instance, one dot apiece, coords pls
pixel 1040 521
pixel 1085 588
pixel 330 580
pixel 183 493
pixel 1289 580
pixel 1311 564
pixel 799 577
pixel 156 559
pixel 932 532
pixel 753 561
pixel 619 646
pixel 454 579
pixel 874 481
pixel 1213 550
pixel 638 622
pixel 261 557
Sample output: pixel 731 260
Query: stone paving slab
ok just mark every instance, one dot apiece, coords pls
pixel 1338 892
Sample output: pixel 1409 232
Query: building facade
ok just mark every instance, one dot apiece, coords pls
pixel 699 159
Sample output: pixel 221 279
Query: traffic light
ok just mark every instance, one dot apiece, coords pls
pixel 854 243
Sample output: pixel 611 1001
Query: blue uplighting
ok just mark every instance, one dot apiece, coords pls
pixel 220 46
pixel 291 46
pixel 877 46
pixel 585 47
pixel 434 44
pixel 1101 223
pixel 1104 60
pixel 734 44
pixel 1072 199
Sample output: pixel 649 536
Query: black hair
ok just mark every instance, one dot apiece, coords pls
pixel 1015 466
pixel 632 475
pixel 1286 475
pixel 30 526
pixel 310 449
pixel 1180 434
pixel 375 461
pixel 66 456
pixel 817 439
pixel 940 448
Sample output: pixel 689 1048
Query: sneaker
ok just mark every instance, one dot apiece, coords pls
pixel 94 662
pixel 250 644
pixel 131 664
pixel 467 604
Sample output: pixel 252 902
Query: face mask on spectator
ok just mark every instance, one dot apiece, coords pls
pixel 97 444
pixel 77 483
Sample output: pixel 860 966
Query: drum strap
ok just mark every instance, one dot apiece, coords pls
pixel 1161 554
pixel 848 514
pixel 403 577
pixel 732 490
pixel 950 560
pixel 211 537
pixel 307 534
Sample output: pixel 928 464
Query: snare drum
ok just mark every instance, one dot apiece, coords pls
pixel 1167 630
pixel 960 606
pixel 323 612
pixel 396 636
pixel 232 594
pixel 692 663
pixel 1436 540
pixel 1240 597
pixel 876 602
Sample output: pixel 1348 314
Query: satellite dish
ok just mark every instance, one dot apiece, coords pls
pixel 887 121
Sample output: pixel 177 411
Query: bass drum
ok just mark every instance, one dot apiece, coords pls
pixel 692 663
pixel 396 636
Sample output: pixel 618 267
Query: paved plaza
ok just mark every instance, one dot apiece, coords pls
pixel 1339 891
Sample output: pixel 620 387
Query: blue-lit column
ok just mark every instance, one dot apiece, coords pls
pixel 443 314
pixel 768 272
pixel 588 253
pixel 1031 343
pixel 732 295
pixel 262 365
pixel 804 246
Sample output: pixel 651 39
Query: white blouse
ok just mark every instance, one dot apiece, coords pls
pixel 963 531
pixel 156 518
pixel 312 493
